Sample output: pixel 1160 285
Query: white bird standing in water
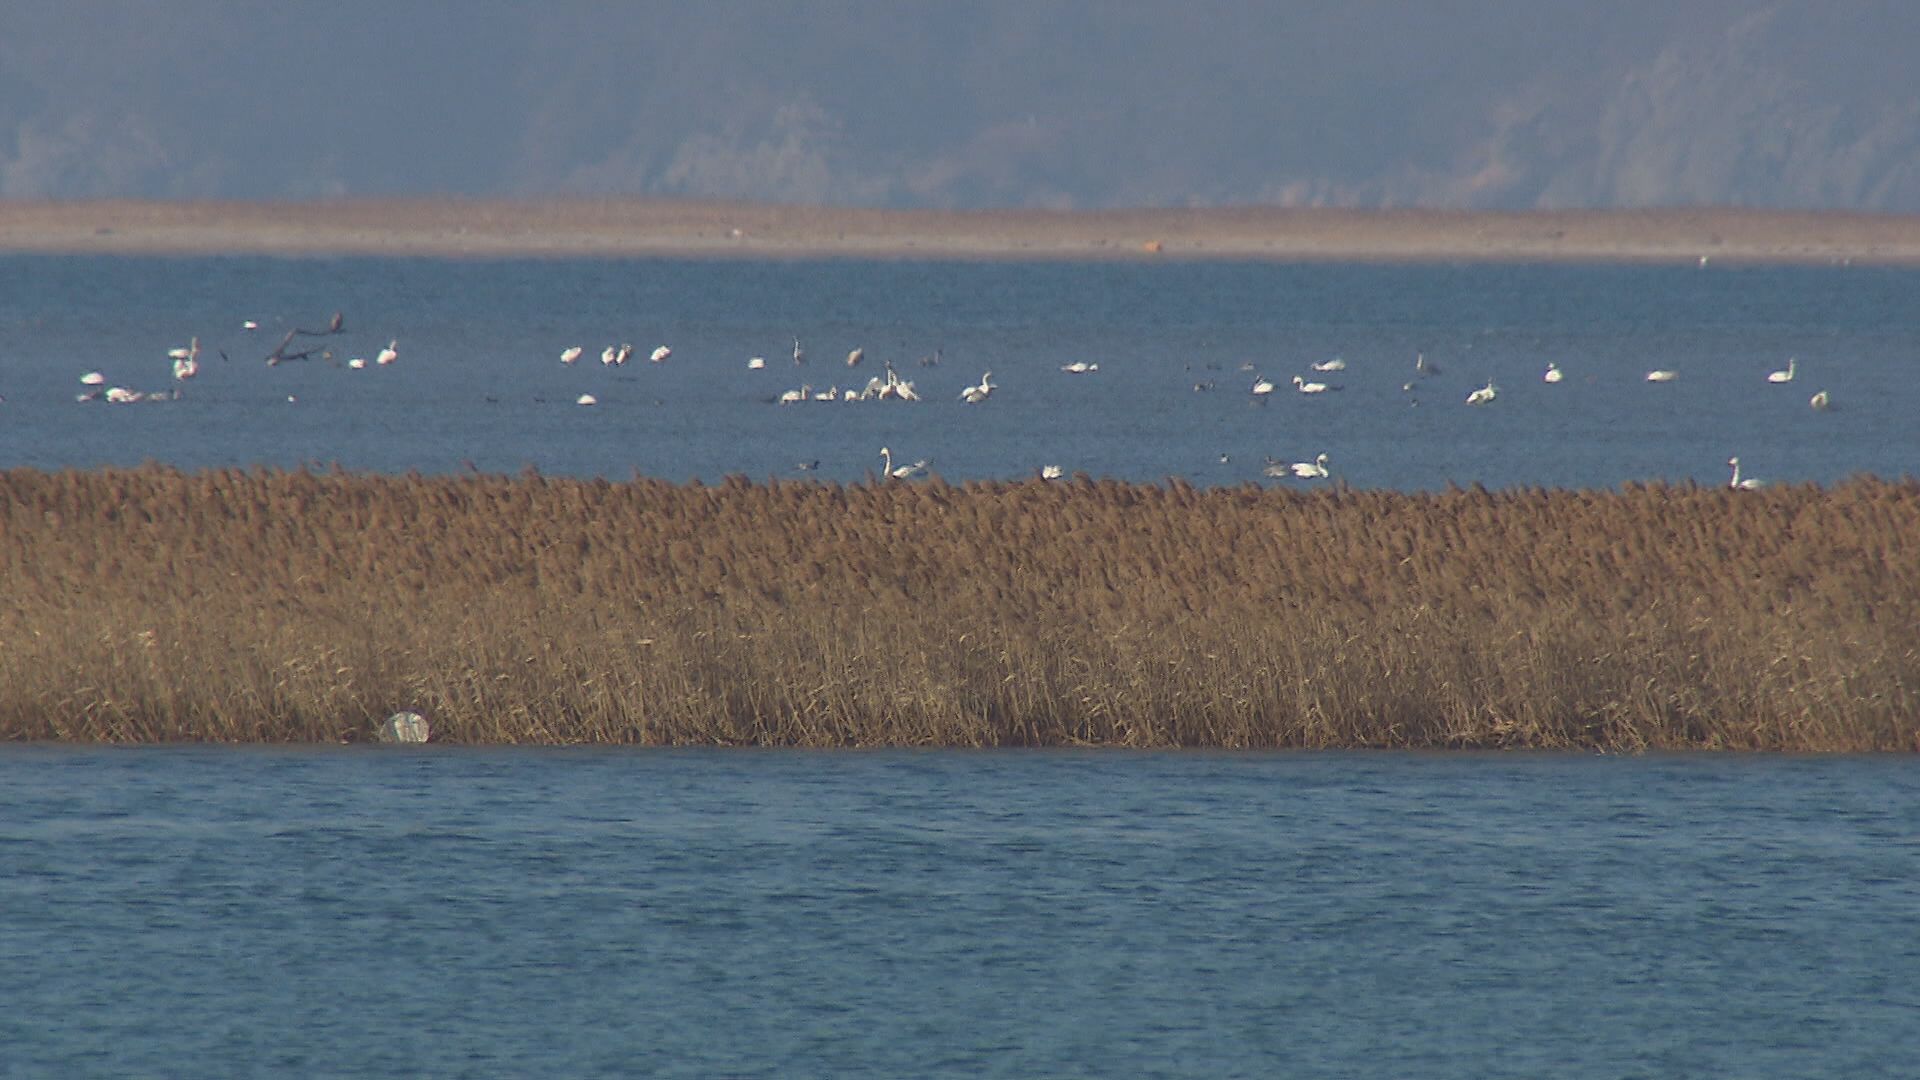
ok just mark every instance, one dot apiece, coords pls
pixel 974 395
pixel 1737 484
pixel 1783 375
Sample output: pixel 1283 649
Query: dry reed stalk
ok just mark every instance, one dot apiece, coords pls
pixel 151 605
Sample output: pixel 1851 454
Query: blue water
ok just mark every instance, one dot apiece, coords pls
pixel 479 383
pixel 359 912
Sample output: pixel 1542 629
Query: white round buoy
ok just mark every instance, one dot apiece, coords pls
pixel 404 727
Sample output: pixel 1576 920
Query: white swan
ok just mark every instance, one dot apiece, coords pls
pixel 1553 374
pixel 792 396
pixel 799 354
pixel 389 354
pixel 92 378
pixel 625 354
pixel 901 472
pixel 1484 394
pixel 1261 387
pixel 1784 375
pixel 586 399
pixel 1051 472
pixel 1306 387
pixel 1820 402
pixel 607 354
pixel 756 363
pixel 1662 375
pixel 974 395
pixel 660 354
pixel 1737 484
pixel 1425 366
pixel 1079 367
pixel 570 354
pixel 1335 364
pixel 1310 470
pixel 854 357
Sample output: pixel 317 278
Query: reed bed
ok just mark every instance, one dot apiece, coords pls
pixel 152 605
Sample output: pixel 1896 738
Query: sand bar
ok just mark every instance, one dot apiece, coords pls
pixel 648 227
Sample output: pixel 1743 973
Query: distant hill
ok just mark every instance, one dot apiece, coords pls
pixel 989 103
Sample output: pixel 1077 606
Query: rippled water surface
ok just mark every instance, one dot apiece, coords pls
pixel 461 912
pixel 479 383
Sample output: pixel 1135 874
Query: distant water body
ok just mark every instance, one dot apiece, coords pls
pixel 479 383
pixel 447 912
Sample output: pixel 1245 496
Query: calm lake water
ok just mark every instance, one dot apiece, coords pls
pixel 458 912
pixel 479 382
pixel 443 912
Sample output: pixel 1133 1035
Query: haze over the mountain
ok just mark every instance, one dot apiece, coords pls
pixel 988 103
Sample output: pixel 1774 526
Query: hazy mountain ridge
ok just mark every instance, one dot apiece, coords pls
pixel 991 103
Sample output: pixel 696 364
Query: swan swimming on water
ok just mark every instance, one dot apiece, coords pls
pixel 1553 374
pixel 570 354
pixel 1306 387
pixel 1484 394
pixel 974 395
pixel 1738 484
pixel 901 472
pixel 1784 375
pixel 1310 470
pixel 1820 402
pixel 1662 375
pixel 1335 364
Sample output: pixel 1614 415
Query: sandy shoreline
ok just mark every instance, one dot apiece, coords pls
pixel 636 227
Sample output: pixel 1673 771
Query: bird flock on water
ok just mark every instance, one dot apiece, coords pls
pixel 301 344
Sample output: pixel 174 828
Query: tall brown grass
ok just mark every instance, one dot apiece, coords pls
pixel 151 604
